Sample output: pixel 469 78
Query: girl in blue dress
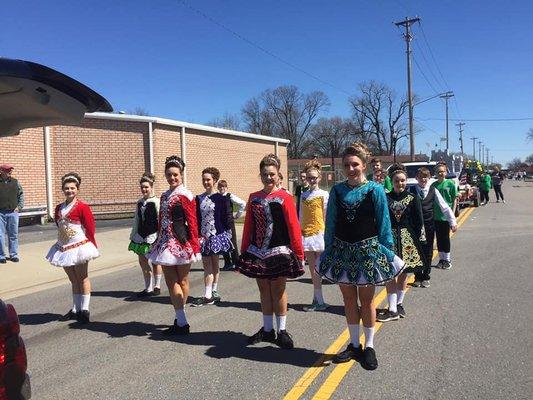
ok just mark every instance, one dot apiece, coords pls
pixel 358 251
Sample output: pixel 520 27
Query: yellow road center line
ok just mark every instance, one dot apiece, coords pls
pixel 339 372
pixel 312 372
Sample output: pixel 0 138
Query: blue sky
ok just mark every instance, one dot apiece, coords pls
pixel 166 58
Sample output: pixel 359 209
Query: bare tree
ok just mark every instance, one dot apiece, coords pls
pixel 380 115
pixel 139 111
pixel 515 163
pixel 227 121
pixel 529 159
pixel 285 112
pixel 529 134
pixel 329 136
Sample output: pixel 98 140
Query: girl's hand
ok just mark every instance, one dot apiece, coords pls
pixel 454 228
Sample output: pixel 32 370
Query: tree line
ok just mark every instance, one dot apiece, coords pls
pixel 377 118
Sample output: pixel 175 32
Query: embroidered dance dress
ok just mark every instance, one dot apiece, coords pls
pixel 214 215
pixel 144 229
pixel 407 222
pixel 177 239
pixel 75 240
pixel 271 241
pixel 358 237
pixel 313 206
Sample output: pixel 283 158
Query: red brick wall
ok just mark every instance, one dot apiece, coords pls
pixel 26 153
pixel 166 143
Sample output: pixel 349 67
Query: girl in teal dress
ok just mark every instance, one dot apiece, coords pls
pixel 358 251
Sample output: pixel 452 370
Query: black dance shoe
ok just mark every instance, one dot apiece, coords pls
pixel 284 340
pixel 145 293
pixel 262 336
pixel 177 330
pixel 157 291
pixel 351 353
pixel 83 317
pixel 369 360
pixel 70 316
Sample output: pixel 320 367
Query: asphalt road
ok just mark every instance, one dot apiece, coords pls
pixel 467 337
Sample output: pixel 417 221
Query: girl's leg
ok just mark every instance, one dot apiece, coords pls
pixel 266 333
pixel 318 297
pixel 401 285
pixel 177 282
pixel 368 315
pixel 392 297
pixel 208 277
pixel 442 230
pixel 158 274
pixel 351 312
pixel 215 268
pixel 76 290
pixel 278 289
pixel 82 275
pixel 147 274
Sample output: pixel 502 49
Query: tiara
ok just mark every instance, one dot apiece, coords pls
pixel 174 160
pixel 72 177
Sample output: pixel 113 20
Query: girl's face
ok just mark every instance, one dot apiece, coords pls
pixel 70 190
pixel 441 173
pixel 208 181
pixel 174 177
pixel 399 182
pixel 146 190
pixel 313 178
pixel 222 189
pixel 269 177
pixel 422 180
pixel 354 168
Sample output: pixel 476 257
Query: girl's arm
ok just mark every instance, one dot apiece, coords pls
pixel 189 208
pixel 293 226
pixel 87 220
pixel 240 203
pixel 331 218
pixel 381 210
pixel 446 210
pixel 248 226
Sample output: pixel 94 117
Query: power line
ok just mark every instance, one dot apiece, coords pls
pixel 424 75
pixel 429 66
pixel 261 48
pixel 480 119
pixel 433 57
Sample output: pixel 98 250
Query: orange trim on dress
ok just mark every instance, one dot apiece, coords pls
pixel 73 246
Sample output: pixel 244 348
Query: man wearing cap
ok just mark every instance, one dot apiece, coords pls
pixel 11 202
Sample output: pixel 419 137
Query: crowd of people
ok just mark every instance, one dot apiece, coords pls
pixel 369 230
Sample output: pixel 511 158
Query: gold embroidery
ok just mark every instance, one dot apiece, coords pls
pixel 65 233
pixel 313 216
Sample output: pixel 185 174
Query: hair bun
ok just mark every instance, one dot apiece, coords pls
pixel 174 161
pixel 397 168
pixel 313 164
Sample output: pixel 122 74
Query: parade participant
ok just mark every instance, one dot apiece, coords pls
pixel 271 251
pixel 313 205
pixel 177 244
pixel 406 221
pixel 379 175
pixel 231 257
pixel 11 203
pixel 431 199
pixel 448 190
pixel 214 216
pixel 485 184
pixel 144 233
pixel 497 180
pixel 358 250
pixel 75 246
pixel 301 188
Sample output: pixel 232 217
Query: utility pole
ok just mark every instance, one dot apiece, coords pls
pixel 487 159
pixel 446 96
pixel 479 144
pixel 474 147
pixel 460 125
pixel 407 22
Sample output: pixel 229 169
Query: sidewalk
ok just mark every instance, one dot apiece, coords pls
pixel 33 273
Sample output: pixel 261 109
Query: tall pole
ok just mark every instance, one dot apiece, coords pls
pixel 487 159
pixel 474 147
pixel 446 96
pixel 460 125
pixel 480 151
pixel 408 37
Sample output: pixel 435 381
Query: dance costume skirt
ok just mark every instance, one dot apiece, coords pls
pixel 270 263
pixel 139 248
pixel 314 243
pixel 72 253
pixel 217 244
pixel 409 248
pixel 364 263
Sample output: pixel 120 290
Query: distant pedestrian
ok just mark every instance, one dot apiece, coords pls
pixel 75 246
pixel 448 190
pixel 313 206
pixel 11 203
pixel 302 187
pixel 358 251
pixel 497 181
pixel 271 251
pixel 405 212
pixel 379 175
pixel 231 257
pixel 177 244
pixel 485 184
pixel 144 234
pixel 431 199
pixel 214 214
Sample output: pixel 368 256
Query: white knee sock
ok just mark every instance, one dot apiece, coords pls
pixel 318 296
pixel 354 334
pixel 446 256
pixel 369 336
pixel 268 323
pixel 393 301
pixel 157 278
pixel 148 285
pixel 215 286
pixel 208 291
pixel 77 301
pixel 400 295
pixel 441 255
pixel 85 300
pixel 281 321
pixel 181 319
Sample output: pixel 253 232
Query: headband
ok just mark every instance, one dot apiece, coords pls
pixel 71 177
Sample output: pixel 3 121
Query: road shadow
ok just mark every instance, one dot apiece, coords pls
pixel 246 305
pixel 309 281
pixel 132 296
pixel 337 310
pixel 230 344
pixel 38 319
pixel 118 329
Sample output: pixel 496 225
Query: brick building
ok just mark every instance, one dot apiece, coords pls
pixel 112 151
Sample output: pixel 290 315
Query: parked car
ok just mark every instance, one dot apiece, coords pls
pixel 32 95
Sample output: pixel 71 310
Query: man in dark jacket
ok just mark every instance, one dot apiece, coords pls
pixel 11 202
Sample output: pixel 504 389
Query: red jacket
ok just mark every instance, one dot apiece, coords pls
pixel 80 214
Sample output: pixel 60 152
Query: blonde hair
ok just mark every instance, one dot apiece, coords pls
pixel 357 149
pixel 313 164
pixel 270 160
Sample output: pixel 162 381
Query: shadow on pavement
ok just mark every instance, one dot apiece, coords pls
pixel 118 329
pixel 38 319
pixel 252 306
pixel 229 344
pixel 132 296
pixel 337 310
